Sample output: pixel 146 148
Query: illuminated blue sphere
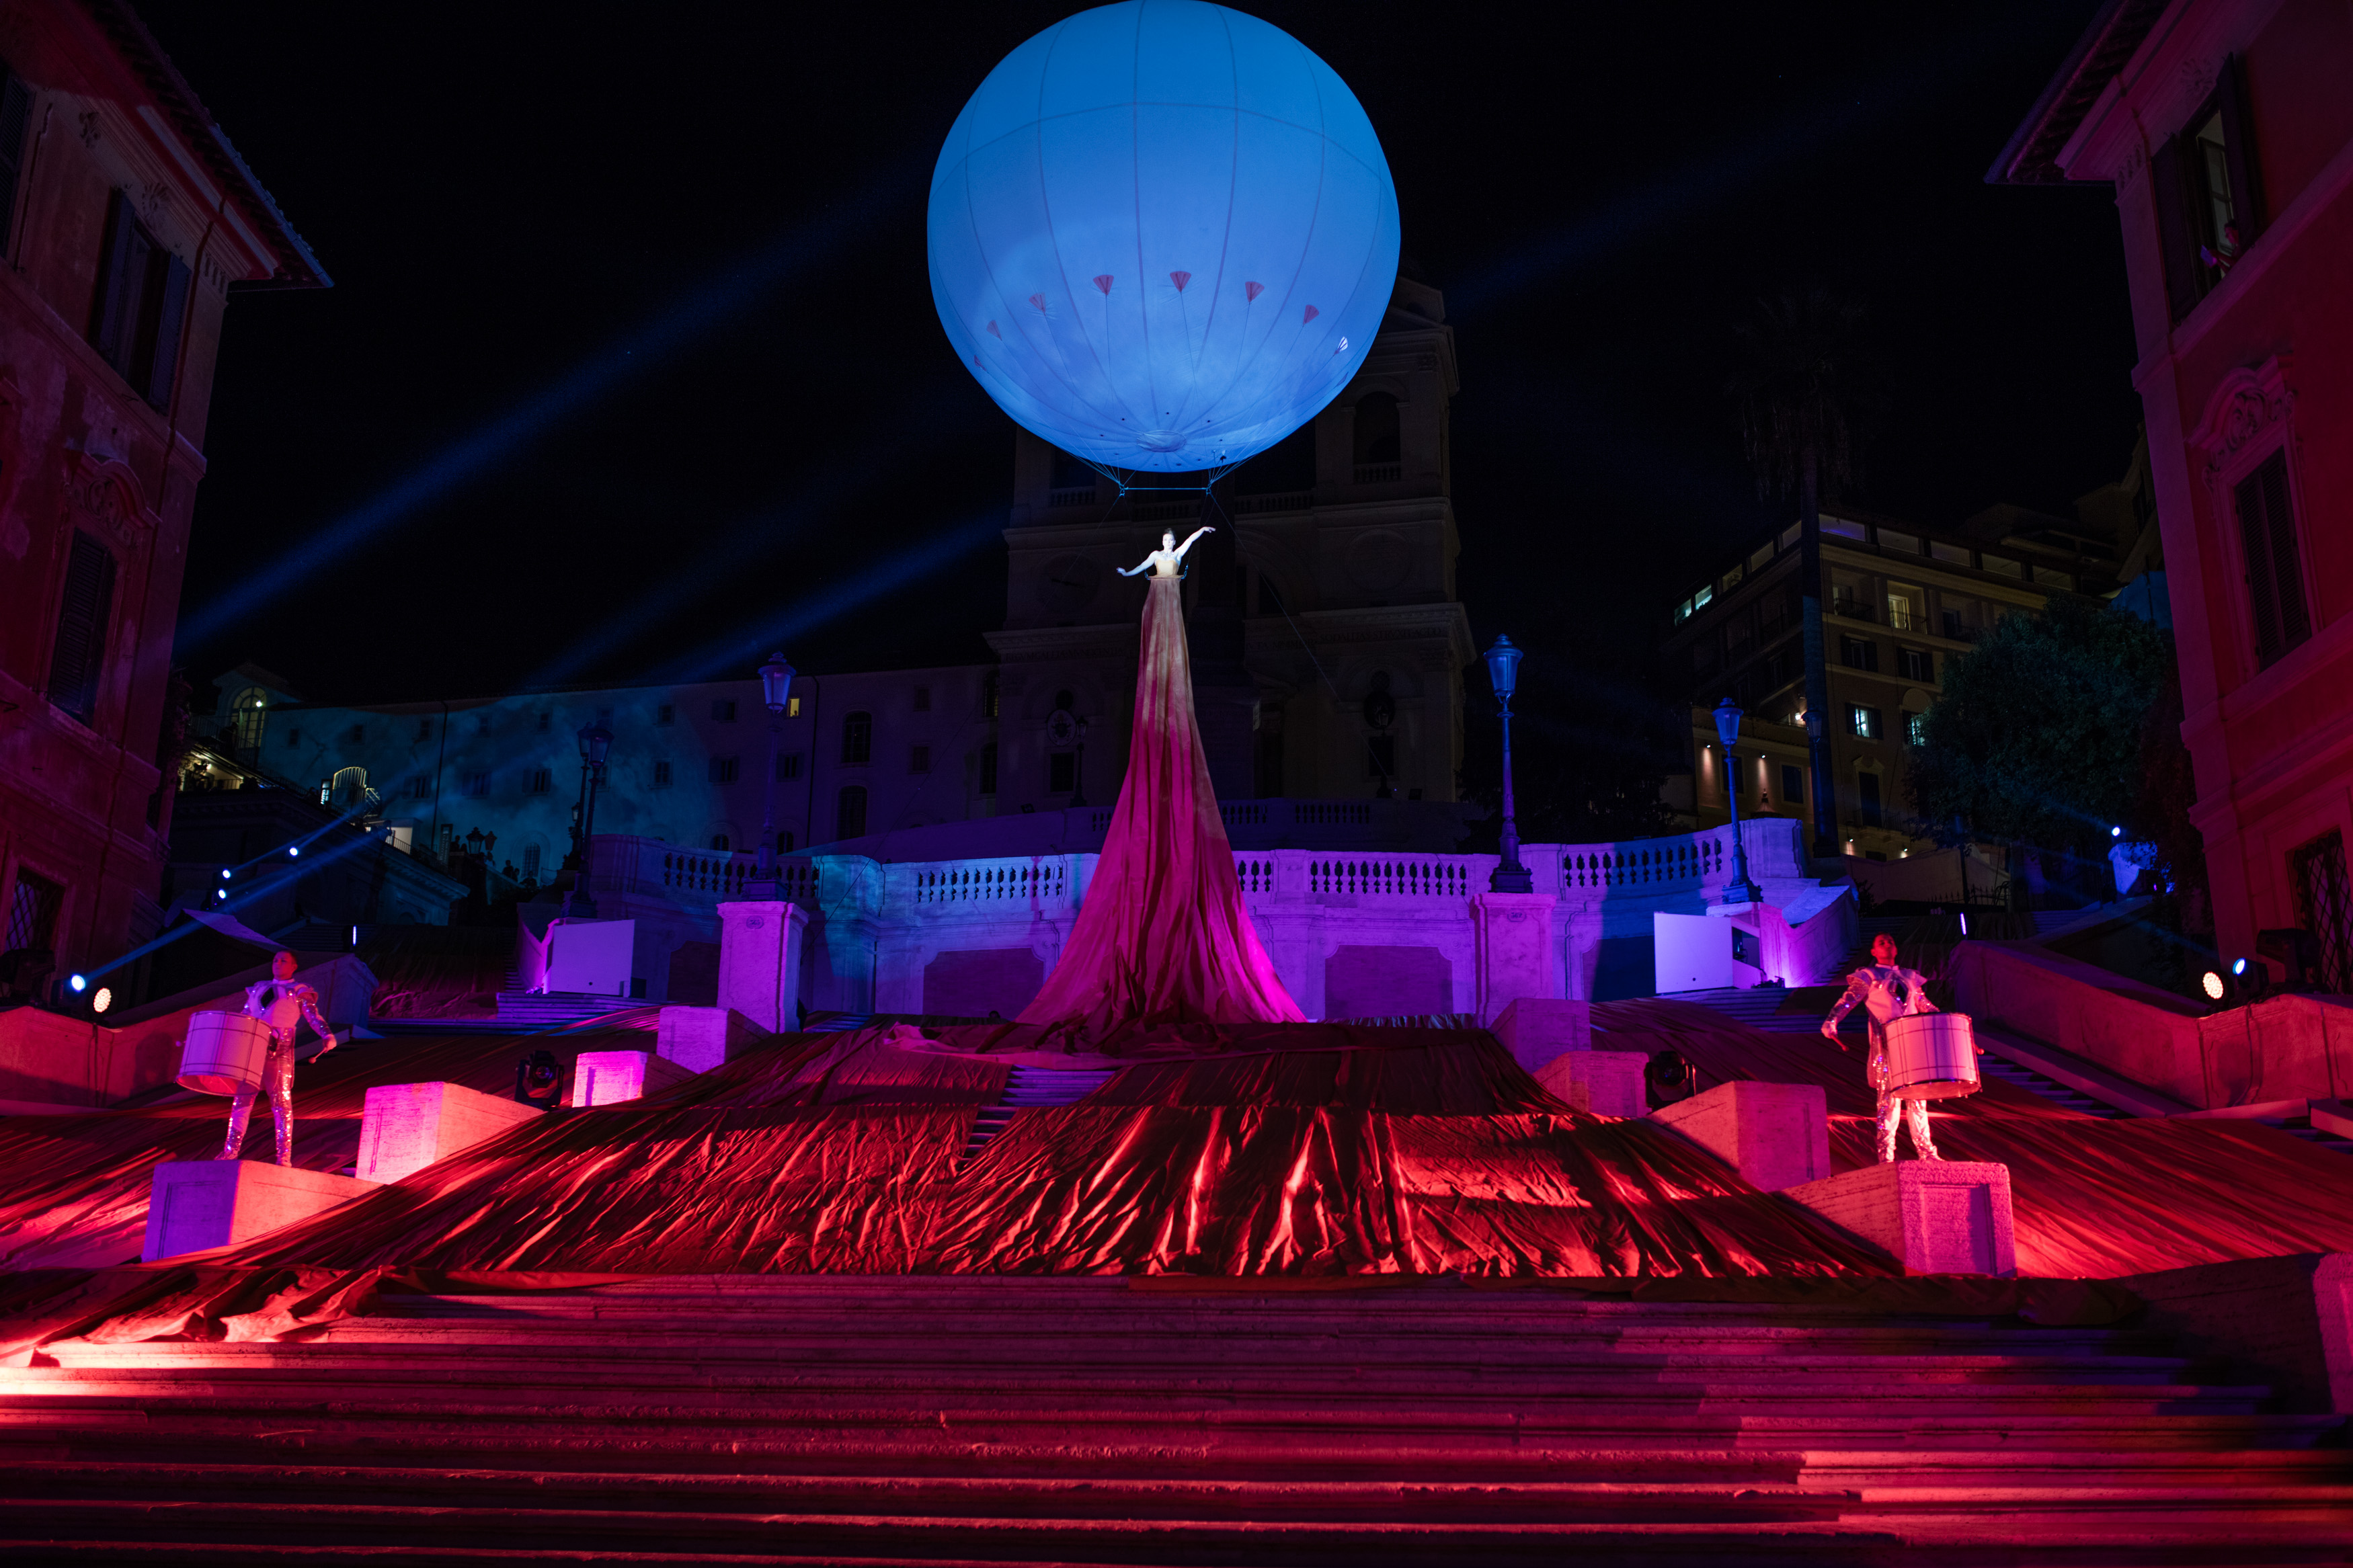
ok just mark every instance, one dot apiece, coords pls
pixel 1162 235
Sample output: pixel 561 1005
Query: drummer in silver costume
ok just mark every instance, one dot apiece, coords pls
pixel 281 1002
pixel 1887 993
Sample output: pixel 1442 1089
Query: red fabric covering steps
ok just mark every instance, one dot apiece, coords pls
pixel 1161 936
pixel 2089 1198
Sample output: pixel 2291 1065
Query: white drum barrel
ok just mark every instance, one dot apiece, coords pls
pixel 1931 1056
pixel 224 1053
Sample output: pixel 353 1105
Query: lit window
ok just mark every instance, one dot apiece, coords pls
pixel 1863 722
pixel 1701 600
pixel 1764 556
pixel 1916 728
pixel 1683 610
pixel 1791 535
pixel 1902 544
pixel 1729 581
pixel 792 707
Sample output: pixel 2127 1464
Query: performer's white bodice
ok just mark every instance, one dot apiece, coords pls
pixel 278 1004
pixel 1165 563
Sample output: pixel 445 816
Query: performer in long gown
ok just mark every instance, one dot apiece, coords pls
pixel 1161 936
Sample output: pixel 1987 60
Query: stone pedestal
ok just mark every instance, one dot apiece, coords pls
pixel 404 1127
pixel 1535 1029
pixel 1939 1216
pixel 760 962
pixel 701 1038
pixel 1607 1083
pixel 611 1078
pixel 197 1204
pixel 1776 1135
pixel 1514 937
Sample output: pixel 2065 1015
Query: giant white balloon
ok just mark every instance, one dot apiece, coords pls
pixel 1162 235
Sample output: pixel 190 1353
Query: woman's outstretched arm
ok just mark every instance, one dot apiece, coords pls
pixel 1204 528
pixel 1139 569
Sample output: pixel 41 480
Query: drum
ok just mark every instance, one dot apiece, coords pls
pixel 224 1053
pixel 1931 1056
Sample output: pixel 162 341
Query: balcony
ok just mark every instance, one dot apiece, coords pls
pixel 1293 500
pixel 1061 501
pixel 1379 473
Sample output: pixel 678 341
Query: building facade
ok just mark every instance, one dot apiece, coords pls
pixel 1899 601
pixel 126 220
pixel 1328 649
pixel 2226 128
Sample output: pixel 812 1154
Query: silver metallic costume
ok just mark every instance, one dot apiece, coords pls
pixel 282 1004
pixel 1888 992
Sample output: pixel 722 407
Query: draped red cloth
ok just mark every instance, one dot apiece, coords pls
pixel 1161 936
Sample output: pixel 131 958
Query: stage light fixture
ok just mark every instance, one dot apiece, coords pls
pixel 2214 985
pixel 223 873
pixel 2116 833
pixel 80 983
pixel 293 851
pixel 102 1001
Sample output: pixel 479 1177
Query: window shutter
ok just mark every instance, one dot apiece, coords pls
pixel 2287 570
pixel 172 311
pixel 2169 189
pixel 2239 151
pixel 78 659
pixel 16 119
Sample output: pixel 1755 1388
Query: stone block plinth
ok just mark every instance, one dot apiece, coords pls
pixel 760 961
pixel 612 1077
pixel 701 1038
pixel 1535 1029
pixel 1513 940
pixel 404 1127
pixel 1607 1083
pixel 1939 1216
pixel 197 1205
pixel 1776 1135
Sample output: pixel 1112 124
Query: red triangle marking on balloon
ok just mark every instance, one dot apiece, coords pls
pixel 1104 282
pixel 994 332
pixel 1312 313
pixel 1180 279
pixel 1038 302
pixel 1253 290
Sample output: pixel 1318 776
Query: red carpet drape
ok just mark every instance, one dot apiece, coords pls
pixel 1161 936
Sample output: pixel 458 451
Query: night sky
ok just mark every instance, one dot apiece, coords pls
pixel 631 369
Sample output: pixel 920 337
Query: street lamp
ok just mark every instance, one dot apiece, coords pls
pixel 1740 889
pixel 1504 672
pixel 596 742
pixel 775 688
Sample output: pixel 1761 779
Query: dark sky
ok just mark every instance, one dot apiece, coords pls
pixel 630 368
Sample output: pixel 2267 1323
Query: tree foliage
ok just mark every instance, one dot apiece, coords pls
pixel 1807 388
pixel 2040 735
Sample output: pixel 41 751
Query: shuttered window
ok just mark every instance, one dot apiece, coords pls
pixel 78 660
pixel 141 305
pixel 15 120
pixel 2206 184
pixel 2275 571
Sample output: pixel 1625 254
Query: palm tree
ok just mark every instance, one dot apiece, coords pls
pixel 1802 376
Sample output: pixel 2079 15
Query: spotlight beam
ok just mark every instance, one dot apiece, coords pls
pixel 625 358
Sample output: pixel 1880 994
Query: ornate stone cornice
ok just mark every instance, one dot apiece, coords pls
pixel 2249 413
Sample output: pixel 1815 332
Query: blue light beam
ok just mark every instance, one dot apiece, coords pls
pixel 593 378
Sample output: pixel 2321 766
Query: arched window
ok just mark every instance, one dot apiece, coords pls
pixel 350 789
pixel 719 841
pixel 1376 430
pixel 857 737
pixel 850 811
pixel 247 714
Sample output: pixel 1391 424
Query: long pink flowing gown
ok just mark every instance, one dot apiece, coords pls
pixel 1162 937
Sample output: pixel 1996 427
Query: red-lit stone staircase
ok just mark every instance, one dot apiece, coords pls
pixel 784 1419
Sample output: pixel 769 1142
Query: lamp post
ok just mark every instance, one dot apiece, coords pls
pixel 1740 889
pixel 1504 672
pixel 775 687
pixel 596 742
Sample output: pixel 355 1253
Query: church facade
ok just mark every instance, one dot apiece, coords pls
pixel 1328 649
